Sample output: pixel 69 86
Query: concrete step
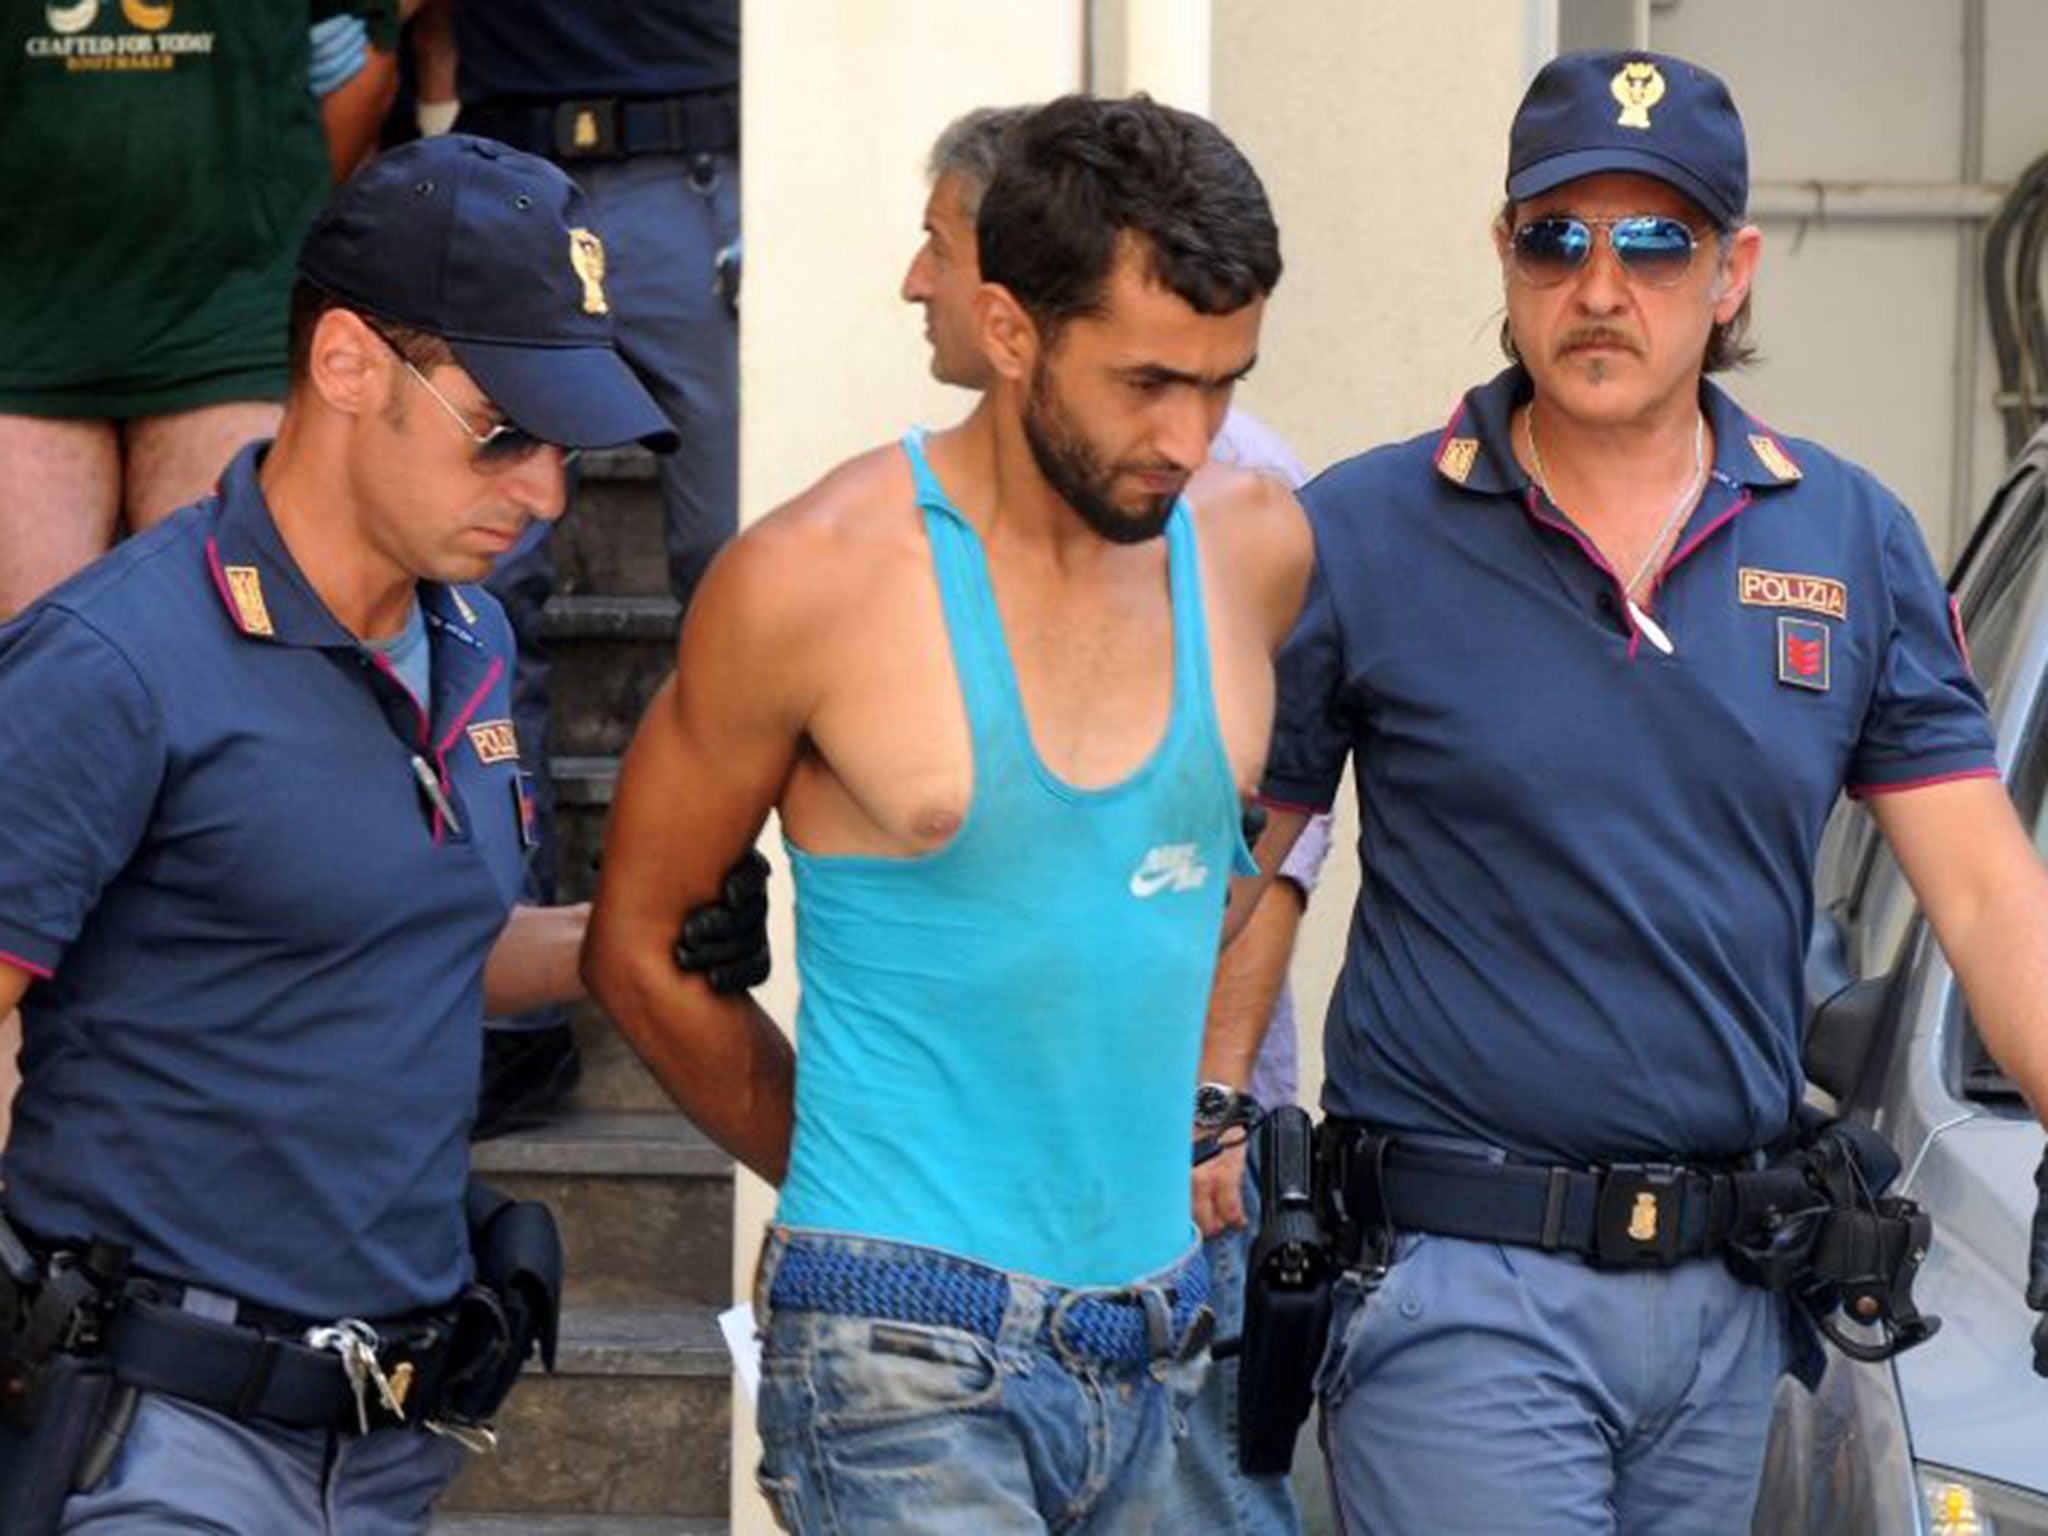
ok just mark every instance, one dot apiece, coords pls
pixel 611 541
pixel 583 799
pixel 644 1203
pixel 635 1420
pixel 607 655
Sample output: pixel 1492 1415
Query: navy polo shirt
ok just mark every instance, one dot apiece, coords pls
pixel 251 1053
pixel 543 50
pixel 1587 865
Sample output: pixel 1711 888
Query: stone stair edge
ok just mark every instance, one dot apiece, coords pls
pixel 644 1143
pixel 615 464
pixel 665 1341
pixel 584 780
pixel 608 616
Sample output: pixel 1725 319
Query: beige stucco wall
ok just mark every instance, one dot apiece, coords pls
pixel 1379 127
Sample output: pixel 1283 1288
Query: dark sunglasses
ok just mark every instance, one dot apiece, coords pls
pixel 1654 249
pixel 497 450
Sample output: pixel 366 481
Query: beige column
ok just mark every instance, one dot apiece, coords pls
pixel 841 104
pixel 1165 50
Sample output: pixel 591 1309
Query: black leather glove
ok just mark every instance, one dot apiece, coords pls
pixel 2037 1266
pixel 726 941
pixel 1254 822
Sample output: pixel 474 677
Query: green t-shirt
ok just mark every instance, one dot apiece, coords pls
pixel 160 160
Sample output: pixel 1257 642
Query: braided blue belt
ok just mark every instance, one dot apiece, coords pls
pixel 1109 1326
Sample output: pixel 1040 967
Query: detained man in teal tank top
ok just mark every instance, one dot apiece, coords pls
pixel 1006 689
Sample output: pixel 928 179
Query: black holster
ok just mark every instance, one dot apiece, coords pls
pixel 513 1309
pixel 61 1413
pixel 41 1464
pixel 1286 1296
pixel 1818 1225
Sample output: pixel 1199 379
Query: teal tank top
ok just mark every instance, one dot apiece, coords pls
pixel 998 1041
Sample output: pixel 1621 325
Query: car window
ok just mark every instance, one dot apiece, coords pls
pixel 1993 598
pixel 1981 1078
pixel 1991 606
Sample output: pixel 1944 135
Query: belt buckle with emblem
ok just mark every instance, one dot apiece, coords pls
pixel 1636 1219
pixel 587 130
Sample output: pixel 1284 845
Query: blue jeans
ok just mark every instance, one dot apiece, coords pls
pixel 184 1468
pixel 1013 1422
pixel 1214 1494
pixel 1511 1392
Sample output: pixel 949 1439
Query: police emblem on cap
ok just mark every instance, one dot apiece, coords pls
pixel 1455 462
pixel 1638 85
pixel 586 255
pixel 245 590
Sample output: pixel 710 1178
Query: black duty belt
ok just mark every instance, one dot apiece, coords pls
pixel 248 1372
pixel 1621 1215
pixel 613 127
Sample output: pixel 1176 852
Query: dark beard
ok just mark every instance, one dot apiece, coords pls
pixel 1071 468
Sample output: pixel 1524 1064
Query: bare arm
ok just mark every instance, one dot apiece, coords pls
pixel 1271 850
pixel 353 112
pixel 1249 977
pixel 533 964
pixel 707 765
pixel 1985 892
pixel 1263 554
pixel 433 51
pixel 13 982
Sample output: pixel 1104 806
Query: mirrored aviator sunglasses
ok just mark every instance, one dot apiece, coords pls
pixel 1654 249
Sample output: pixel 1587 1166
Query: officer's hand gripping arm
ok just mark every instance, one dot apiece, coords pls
pixel 726 941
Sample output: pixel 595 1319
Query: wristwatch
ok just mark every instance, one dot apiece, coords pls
pixel 1218 1106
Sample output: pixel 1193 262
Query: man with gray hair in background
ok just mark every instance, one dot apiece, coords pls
pixel 1250 1044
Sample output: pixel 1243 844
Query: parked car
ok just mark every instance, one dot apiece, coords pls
pixel 1950 1438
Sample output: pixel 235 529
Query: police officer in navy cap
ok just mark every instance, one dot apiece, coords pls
pixel 266 833
pixel 1604 649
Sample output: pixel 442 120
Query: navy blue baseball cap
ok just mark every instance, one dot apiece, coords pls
pixel 1643 112
pixel 491 250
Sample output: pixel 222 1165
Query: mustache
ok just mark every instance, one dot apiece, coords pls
pixel 1597 336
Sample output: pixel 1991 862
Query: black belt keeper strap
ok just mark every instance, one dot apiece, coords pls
pixel 249 1396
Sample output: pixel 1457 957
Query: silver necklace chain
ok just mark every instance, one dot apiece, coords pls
pixel 1679 508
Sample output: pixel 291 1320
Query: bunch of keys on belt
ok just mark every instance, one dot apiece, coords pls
pixel 356 1342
